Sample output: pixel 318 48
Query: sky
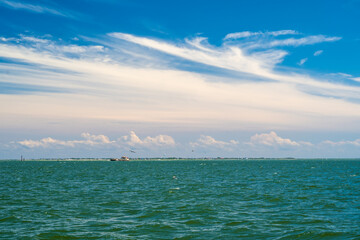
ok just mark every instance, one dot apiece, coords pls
pixel 179 78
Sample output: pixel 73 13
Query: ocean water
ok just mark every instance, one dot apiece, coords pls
pixel 257 199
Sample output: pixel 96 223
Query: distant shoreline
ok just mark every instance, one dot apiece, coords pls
pixel 174 159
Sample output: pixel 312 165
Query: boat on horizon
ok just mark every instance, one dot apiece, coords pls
pixel 123 158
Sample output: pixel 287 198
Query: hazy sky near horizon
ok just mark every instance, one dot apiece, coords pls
pixel 179 78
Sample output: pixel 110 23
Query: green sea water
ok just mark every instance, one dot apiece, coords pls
pixel 257 199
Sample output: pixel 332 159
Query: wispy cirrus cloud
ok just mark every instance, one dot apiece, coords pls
pixel 125 77
pixel 238 58
pixel 318 53
pixel 231 58
pixel 302 61
pixel 310 40
pixel 259 40
pixel 33 39
pixel 247 34
pixel 33 8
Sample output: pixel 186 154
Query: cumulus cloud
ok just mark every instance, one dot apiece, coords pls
pixel 272 139
pixel 95 140
pixel 208 141
pixel 133 140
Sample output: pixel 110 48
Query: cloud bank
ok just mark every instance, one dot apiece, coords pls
pixel 131 140
pixel 269 144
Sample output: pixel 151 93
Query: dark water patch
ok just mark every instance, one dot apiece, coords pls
pixel 58 234
pixel 322 235
pixel 9 219
pixel 194 222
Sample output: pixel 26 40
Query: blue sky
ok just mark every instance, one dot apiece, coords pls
pixel 179 78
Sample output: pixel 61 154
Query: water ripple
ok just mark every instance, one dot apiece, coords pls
pixel 180 200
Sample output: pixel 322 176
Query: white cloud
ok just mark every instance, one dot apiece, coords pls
pixel 310 40
pixel 45 142
pixel 34 39
pixel 283 32
pixel 81 49
pixel 200 43
pixel 318 52
pixel 269 40
pixel 343 75
pixel 356 79
pixel 246 34
pixel 95 139
pixel 341 143
pixel 208 141
pixel 88 139
pixel 232 57
pixel 236 58
pixel 124 81
pixel 302 61
pixel 133 140
pixel 272 139
pixel 6 39
pixel 31 7
pixel 240 35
